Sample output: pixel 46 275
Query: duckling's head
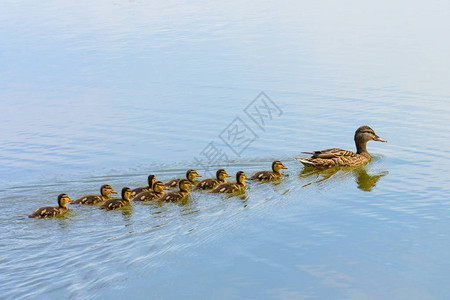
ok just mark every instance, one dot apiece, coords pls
pixel 126 193
pixel 106 189
pixel 63 199
pixel 221 174
pixel 151 180
pixel 240 177
pixel 158 187
pixel 184 184
pixel 277 166
pixel 364 134
pixel 191 174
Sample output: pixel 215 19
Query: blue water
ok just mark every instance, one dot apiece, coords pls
pixel 99 92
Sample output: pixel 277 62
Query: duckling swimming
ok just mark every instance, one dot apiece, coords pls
pixel 105 190
pixel 184 184
pixel 118 202
pixel 156 193
pixel 52 211
pixel 211 183
pixel 231 187
pixel 338 157
pixel 269 175
pixel 190 175
pixel 150 180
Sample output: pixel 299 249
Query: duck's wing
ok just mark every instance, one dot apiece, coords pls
pixel 139 190
pixel 172 183
pixel 46 211
pixel 330 153
pixel 330 157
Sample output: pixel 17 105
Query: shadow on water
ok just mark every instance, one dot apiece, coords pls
pixel 365 181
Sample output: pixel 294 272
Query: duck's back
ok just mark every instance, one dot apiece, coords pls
pixel 173 196
pixel 139 190
pixel 89 199
pixel 172 183
pixel 264 175
pixel 226 188
pixel 147 196
pixel 47 211
pixel 334 157
pixel 206 184
pixel 114 203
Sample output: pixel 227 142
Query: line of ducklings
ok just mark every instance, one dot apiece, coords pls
pixel 327 158
pixel 155 191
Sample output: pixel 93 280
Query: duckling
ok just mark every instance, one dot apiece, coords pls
pixel 184 184
pixel 118 202
pixel 190 175
pixel 211 183
pixel 105 190
pixel 231 187
pixel 150 180
pixel 52 211
pixel 269 175
pixel 156 193
pixel 338 157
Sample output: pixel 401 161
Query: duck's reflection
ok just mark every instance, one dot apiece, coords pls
pixel 365 181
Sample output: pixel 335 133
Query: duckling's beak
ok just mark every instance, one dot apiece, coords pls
pixel 198 175
pixel 378 139
pixel 283 167
pixel 113 192
pixel 226 175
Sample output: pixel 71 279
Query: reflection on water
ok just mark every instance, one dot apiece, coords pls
pixel 318 176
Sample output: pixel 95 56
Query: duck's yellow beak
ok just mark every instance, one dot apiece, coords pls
pixel 113 192
pixel 378 139
pixel 283 167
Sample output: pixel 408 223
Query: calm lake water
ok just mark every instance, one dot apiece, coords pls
pixel 95 92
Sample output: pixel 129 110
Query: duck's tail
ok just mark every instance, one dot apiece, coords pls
pixel 305 161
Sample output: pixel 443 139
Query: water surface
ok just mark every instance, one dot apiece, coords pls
pixel 95 93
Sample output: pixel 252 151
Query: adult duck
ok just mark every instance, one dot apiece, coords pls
pixel 339 157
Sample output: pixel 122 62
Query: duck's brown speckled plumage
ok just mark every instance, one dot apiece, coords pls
pixel 339 157
pixel 184 184
pixel 211 183
pixel 105 191
pixel 150 180
pixel 231 187
pixel 118 202
pixel 190 175
pixel 269 175
pixel 52 211
pixel 156 193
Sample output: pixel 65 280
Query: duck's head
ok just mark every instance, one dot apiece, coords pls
pixel 364 134
pixel 106 189
pixel 277 166
pixel 191 174
pixel 151 180
pixel 126 193
pixel 240 177
pixel 184 184
pixel 221 175
pixel 63 199
pixel 158 187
